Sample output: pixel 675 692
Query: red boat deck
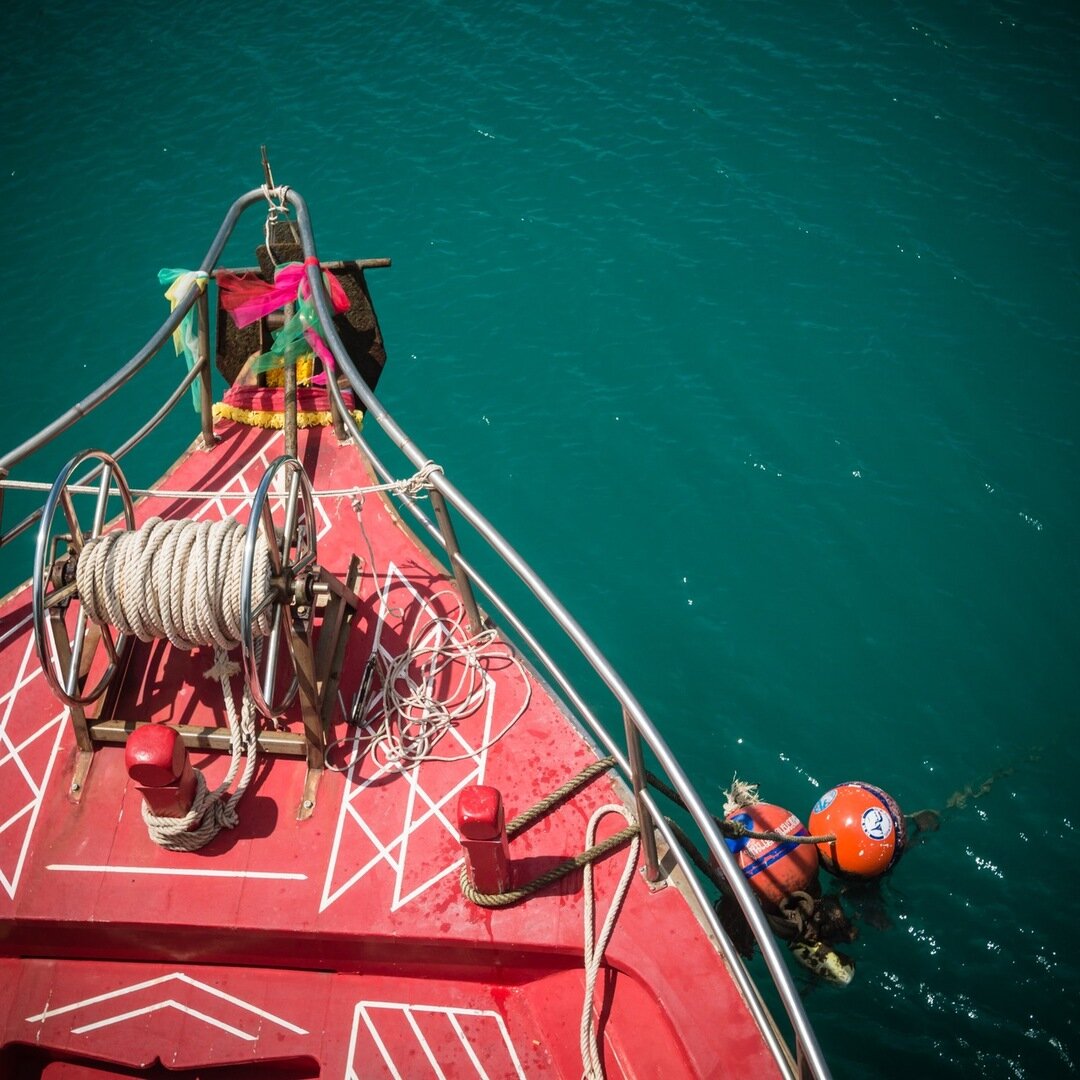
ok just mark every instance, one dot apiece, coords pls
pixel 339 945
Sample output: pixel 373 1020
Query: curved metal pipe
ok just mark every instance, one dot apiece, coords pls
pixel 139 360
pixel 806 1039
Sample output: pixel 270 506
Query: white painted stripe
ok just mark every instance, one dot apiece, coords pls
pixel 177 976
pixel 18 814
pixel 17 751
pixel 165 871
pixel 170 1004
pixel 12 631
pixel 387 1057
pixel 424 1044
pixel 38 789
pixel 480 1070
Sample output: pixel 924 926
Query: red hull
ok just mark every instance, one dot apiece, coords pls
pixel 338 945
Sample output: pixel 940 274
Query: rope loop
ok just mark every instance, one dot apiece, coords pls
pixel 212 811
pixel 595 946
pixel 274 213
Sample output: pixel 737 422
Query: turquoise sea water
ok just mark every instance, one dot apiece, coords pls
pixel 754 326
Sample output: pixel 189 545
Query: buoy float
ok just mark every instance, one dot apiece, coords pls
pixel 868 826
pixel 775 869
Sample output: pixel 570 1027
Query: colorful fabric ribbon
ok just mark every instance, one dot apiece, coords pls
pixel 186 335
pixel 248 298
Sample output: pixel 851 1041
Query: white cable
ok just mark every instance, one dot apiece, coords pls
pixel 592 1067
pixel 414 711
pixel 411 487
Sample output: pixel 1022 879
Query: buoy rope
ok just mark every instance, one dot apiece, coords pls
pixel 180 580
pixel 735 830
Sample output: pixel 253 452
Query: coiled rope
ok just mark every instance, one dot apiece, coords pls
pixel 441 677
pixel 180 580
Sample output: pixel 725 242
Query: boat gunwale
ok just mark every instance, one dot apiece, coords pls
pixel 808 1056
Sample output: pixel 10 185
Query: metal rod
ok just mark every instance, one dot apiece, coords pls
pixel 804 1034
pixel 290 744
pixel 453 551
pixel 637 779
pixel 290 394
pixel 206 393
pixel 340 433
pixel 328 264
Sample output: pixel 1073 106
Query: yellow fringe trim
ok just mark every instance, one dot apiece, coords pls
pixel 258 418
pixel 305 368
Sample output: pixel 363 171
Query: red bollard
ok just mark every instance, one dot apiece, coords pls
pixel 482 826
pixel 157 761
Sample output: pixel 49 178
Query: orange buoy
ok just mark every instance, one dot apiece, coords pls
pixel 868 826
pixel 775 869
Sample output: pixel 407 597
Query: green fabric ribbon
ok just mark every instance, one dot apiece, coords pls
pixel 186 335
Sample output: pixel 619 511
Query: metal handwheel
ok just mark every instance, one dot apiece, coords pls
pixel 61 647
pixel 292 550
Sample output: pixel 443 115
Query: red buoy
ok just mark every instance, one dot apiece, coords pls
pixel 775 869
pixel 868 826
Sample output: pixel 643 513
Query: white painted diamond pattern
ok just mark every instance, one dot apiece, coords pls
pixel 25 786
pixel 421 805
pixel 23 780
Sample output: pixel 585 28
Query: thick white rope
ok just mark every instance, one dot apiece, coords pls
pixel 180 580
pixel 592 1067
pixel 175 579
pixel 212 811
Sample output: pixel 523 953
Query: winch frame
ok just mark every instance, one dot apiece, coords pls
pixel 298 585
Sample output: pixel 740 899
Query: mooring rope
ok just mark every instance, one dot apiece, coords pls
pixel 595 946
pixel 592 854
pixel 181 580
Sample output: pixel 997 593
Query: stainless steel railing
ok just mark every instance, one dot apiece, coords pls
pixel 639 728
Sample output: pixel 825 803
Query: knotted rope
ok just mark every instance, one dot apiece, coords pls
pixel 180 580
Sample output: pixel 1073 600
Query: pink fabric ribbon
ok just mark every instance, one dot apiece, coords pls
pixel 248 298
